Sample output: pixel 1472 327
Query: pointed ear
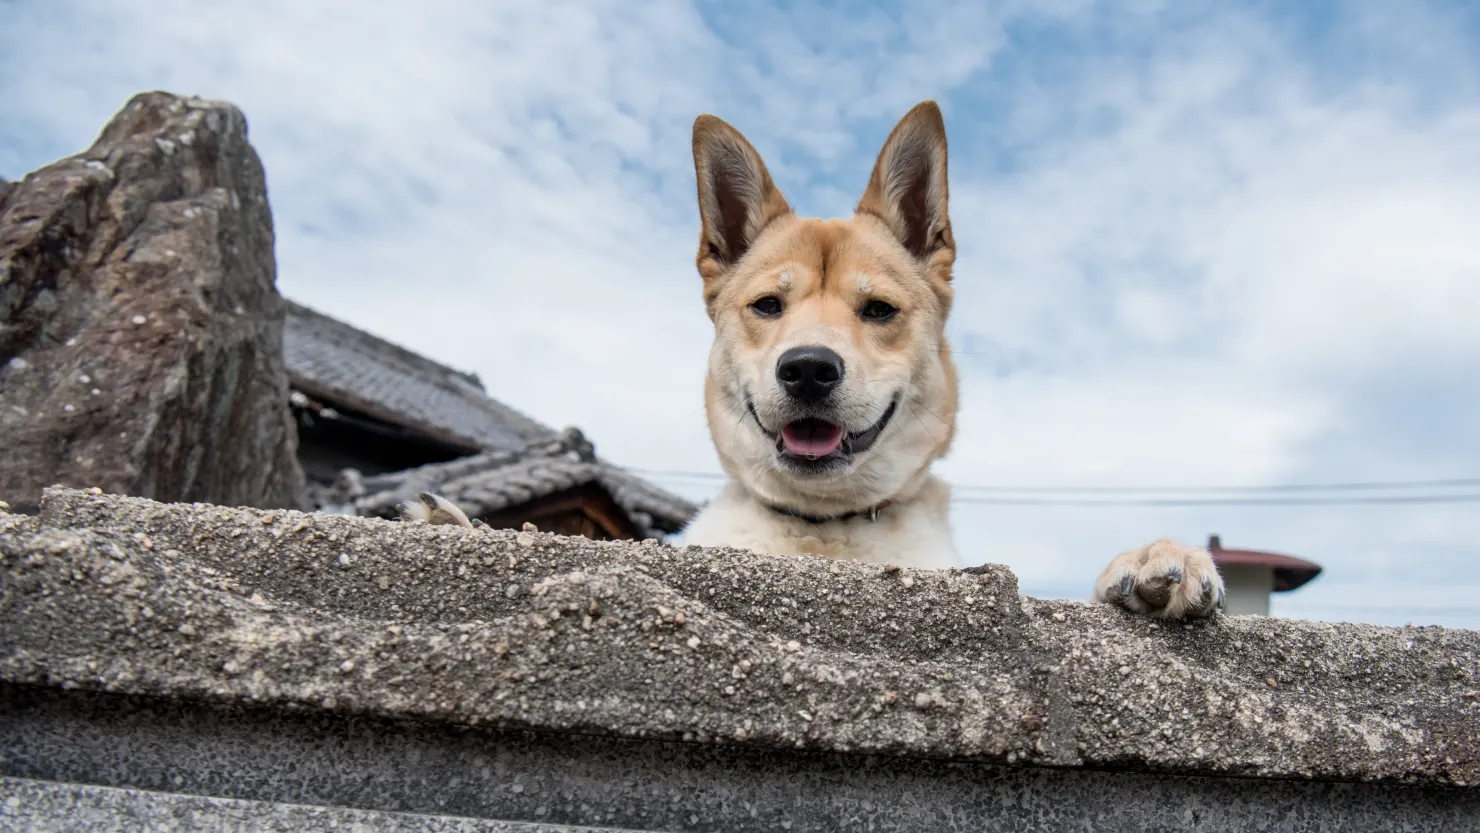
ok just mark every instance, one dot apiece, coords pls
pixel 737 198
pixel 908 188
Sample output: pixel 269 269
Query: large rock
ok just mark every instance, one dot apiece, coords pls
pixel 140 328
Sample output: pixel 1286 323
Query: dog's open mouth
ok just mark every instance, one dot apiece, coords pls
pixel 811 438
pixel 814 440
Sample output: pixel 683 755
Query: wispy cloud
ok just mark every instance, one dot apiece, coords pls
pixel 1201 243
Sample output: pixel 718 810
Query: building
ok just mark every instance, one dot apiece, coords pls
pixel 1250 576
pixel 378 423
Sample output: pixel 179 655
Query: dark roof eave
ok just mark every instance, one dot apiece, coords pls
pixel 1293 578
pixel 340 398
pixel 1290 573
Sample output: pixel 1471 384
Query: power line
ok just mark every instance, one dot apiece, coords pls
pixel 1273 495
pixel 1292 487
pixel 1374 500
pixel 982 494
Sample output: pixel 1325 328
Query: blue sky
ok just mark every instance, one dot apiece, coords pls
pixel 1200 244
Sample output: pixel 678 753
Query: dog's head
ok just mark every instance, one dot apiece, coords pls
pixel 830 383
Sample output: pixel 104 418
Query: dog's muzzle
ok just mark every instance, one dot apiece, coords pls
pixel 816 445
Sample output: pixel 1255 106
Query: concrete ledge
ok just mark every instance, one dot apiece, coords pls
pixel 50 807
pixel 320 758
pixel 807 680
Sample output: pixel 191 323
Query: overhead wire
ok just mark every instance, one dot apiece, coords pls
pixel 1292 494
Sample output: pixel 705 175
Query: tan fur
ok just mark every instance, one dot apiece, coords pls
pixel 897 248
pixel 1163 579
pixel 434 509
pixel 752 245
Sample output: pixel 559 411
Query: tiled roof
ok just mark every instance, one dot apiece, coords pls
pixel 497 479
pixel 332 360
pixel 512 458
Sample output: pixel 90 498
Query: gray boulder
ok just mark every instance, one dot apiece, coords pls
pixel 140 328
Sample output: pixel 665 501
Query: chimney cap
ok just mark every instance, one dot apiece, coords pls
pixel 1289 572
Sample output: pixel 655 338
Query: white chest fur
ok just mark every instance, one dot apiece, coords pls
pixel 913 532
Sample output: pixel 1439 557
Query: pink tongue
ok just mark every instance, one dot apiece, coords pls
pixel 811 438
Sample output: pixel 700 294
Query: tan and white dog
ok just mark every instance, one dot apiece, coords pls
pixel 830 389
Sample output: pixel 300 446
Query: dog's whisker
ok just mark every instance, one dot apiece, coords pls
pixel 728 407
pixel 723 395
pixel 927 410
pixel 916 415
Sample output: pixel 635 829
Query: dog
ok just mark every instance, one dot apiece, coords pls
pixel 830 388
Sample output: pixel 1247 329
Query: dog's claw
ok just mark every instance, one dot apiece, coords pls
pixel 1118 592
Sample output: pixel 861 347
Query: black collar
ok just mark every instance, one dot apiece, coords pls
pixel 872 513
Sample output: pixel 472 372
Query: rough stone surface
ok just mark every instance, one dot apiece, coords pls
pixel 140 329
pixel 374 618
pixel 337 760
pixel 47 807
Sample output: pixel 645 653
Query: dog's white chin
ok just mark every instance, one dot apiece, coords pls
pixel 856 486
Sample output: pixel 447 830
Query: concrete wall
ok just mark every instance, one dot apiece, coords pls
pixel 178 666
pixel 263 769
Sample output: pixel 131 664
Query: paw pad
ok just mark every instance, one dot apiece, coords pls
pixel 1163 580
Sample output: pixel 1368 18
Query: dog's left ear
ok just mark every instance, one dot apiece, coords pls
pixel 908 187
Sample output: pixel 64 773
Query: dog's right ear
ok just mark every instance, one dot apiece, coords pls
pixel 737 198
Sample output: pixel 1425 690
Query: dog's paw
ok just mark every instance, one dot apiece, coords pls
pixel 434 509
pixel 1164 580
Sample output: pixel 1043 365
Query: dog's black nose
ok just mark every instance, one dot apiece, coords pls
pixel 808 374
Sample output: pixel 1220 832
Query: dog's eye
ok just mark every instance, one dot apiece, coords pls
pixel 767 307
pixel 878 311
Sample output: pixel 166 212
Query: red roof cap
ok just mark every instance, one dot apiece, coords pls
pixel 1289 572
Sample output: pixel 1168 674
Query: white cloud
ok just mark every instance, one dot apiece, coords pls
pixel 1196 248
pixel 1229 275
